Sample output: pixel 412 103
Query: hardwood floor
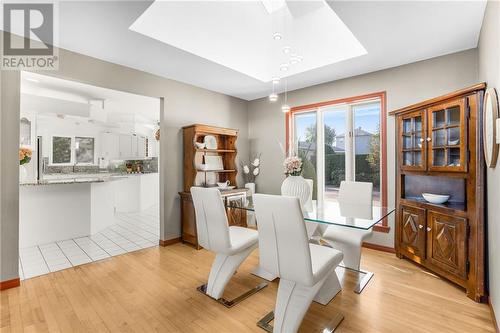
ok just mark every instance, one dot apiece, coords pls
pixel 155 290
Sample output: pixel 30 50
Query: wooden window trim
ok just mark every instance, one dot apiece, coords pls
pixel 382 96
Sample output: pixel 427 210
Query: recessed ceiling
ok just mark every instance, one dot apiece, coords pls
pixel 393 33
pixel 240 34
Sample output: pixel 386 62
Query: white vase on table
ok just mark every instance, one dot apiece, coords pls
pixel 251 188
pixel 296 186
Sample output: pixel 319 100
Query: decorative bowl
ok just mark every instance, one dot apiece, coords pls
pixel 435 198
pixel 454 142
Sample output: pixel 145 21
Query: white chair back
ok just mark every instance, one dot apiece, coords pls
pixel 359 193
pixel 211 220
pixel 283 241
pixel 355 199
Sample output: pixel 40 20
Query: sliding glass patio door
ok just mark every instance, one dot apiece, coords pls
pixel 339 142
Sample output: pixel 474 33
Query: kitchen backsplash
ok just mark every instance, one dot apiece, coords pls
pixel 116 166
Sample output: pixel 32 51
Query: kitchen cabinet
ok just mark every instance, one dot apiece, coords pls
pixel 135 146
pixel 141 147
pixel 110 146
pixel 153 147
pixel 125 150
pixel 123 146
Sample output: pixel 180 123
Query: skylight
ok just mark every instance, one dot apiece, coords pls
pixel 239 34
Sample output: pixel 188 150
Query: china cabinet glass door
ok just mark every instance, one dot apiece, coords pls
pixel 412 142
pixel 447 140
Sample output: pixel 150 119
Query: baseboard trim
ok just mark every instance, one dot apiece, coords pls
pixel 495 323
pixel 10 284
pixel 379 247
pixel 167 242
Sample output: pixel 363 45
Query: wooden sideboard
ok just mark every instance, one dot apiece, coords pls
pixel 440 150
pixel 193 176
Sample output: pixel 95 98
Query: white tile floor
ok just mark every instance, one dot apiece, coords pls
pixel 131 232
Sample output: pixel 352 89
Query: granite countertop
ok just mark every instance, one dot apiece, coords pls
pixel 56 179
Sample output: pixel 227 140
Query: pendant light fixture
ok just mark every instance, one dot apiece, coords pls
pixel 274 97
pixel 285 108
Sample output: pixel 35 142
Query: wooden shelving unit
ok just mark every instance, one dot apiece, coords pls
pixel 193 176
pixel 439 150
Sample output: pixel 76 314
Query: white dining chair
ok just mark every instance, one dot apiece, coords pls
pixel 306 271
pixel 355 196
pixel 231 244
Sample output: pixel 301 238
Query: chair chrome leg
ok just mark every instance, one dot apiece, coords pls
pixel 234 301
pixel 264 322
pixel 329 328
pixel 334 323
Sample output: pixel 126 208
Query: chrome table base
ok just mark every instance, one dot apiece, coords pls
pixel 367 276
pixel 330 327
pixel 233 302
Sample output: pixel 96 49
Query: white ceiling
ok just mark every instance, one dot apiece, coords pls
pixel 392 32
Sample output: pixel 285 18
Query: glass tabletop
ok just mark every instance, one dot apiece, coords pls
pixel 333 213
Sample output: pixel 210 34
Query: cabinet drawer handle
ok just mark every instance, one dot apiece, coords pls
pixel 429 229
pixel 420 226
pixel 429 139
pixel 422 140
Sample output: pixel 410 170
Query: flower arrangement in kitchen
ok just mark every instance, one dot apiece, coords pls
pixel 292 166
pixel 24 155
pixel 251 170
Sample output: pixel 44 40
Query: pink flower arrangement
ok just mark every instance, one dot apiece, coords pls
pixel 24 155
pixel 292 166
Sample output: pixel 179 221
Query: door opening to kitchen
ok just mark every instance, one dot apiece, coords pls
pixel 89 181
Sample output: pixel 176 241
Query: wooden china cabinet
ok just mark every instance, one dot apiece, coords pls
pixel 194 175
pixel 439 151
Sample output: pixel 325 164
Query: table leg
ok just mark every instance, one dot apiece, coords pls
pixel 367 276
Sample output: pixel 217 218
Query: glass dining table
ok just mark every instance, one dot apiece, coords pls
pixel 320 215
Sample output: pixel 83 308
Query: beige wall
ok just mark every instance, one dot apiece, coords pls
pixel 489 71
pixel 183 105
pixel 9 168
pixel 404 85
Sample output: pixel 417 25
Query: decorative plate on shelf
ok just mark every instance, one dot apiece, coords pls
pixel 214 162
pixel 490 116
pixel 210 142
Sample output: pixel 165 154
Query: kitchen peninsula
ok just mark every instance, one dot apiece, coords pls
pixel 72 206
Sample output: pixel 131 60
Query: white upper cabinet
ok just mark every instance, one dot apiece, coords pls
pixel 110 146
pixel 125 146
pixel 141 146
pixel 135 140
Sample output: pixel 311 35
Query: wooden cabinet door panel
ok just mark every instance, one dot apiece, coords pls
pixel 446 243
pixel 411 141
pixel 447 137
pixel 412 231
